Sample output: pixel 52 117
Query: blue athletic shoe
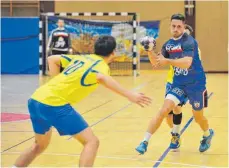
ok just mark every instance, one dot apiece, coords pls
pixel 175 141
pixel 205 143
pixel 142 148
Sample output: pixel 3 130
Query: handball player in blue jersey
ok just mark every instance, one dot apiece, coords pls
pixel 174 118
pixel 189 80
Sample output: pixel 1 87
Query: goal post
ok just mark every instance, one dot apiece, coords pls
pixel 121 25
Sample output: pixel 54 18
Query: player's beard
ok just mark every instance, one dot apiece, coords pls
pixel 177 35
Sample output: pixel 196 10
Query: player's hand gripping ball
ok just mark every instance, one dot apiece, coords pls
pixel 149 43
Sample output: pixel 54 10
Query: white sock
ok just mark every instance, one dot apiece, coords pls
pixel 147 136
pixel 206 133
pixel 14 167
pixel 176 129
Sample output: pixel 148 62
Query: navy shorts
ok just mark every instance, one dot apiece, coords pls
pixel 184 99
pixel 197 95
pixel 64 118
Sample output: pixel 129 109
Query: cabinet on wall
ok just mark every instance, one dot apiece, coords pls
pixel 12 8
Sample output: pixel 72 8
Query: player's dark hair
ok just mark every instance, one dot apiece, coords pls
pixel 189 28
pixel 178 16
pixel 105 45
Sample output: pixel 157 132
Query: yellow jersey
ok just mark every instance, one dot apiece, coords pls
pixel 171 71
pixel 75 82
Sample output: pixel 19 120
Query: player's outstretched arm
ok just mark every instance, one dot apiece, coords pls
pixel 54 65
pixel 113 85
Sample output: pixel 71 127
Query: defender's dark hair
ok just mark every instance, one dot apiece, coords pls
pixel 105 45
pixel 189 28
pixel 178 16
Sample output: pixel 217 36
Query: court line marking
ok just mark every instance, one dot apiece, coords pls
pixel 138 87
pixel 16 144
pixel 15 121
pixel 122 108
pixel 182 131
pixel 93 108
pixel 108 101
pixel 111 157
pixel 118 118
pixel 113 131
pixel 117 157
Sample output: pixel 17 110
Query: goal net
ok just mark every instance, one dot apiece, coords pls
pixel 85 28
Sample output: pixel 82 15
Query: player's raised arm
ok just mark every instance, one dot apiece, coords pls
pixel 54 65
pixel 113 85
pixel 58 62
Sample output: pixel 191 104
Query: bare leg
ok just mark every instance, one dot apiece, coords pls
pixel 40 144
pixel 177 118
pixel 157 120
pixel 201 120
pixel 91 145
pixel 169 120
pixel 155 124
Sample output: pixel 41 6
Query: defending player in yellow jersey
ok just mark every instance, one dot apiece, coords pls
pixel 82 70
pixel 51 104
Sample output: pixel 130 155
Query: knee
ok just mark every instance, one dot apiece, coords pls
pixel 177 110
pixel 164 112
pixel 94 141
pixel 39 148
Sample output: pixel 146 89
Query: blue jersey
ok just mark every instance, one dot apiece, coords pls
pixel 185 46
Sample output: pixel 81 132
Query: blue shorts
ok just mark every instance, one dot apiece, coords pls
pixel 183 100
pixel 64 118
pixel 196 94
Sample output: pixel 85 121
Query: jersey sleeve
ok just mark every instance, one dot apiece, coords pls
pixel 102 68
pixel 164 52
pixel 188 48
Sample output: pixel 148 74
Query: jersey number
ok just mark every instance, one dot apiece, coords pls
pixel 179 71
pixel 76 65
pixel 60 42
